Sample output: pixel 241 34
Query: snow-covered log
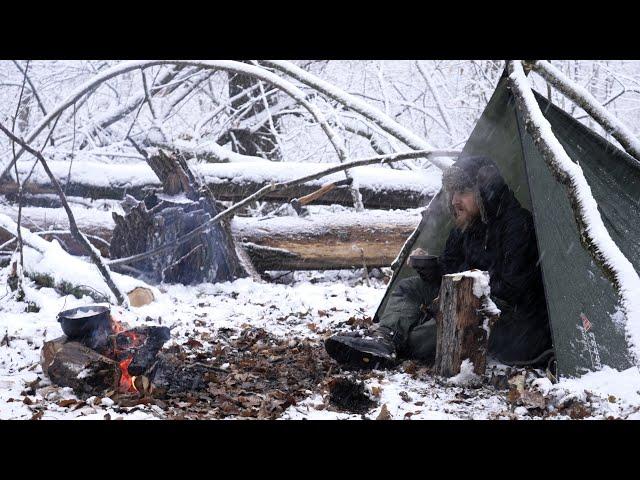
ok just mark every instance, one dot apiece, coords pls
pixel 234 180
pixel 593 233
pixel 586 101
pixel 47 264
pixel 326 241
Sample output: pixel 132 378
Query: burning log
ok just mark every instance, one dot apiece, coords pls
pixel 463 323
pixel 108 359
pixel 72 364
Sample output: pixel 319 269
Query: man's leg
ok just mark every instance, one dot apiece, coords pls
pixel 415 337
pixel 520 335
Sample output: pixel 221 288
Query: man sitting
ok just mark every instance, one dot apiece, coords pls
pixel 492 232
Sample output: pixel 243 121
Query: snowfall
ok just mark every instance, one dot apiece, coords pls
pixel 295 306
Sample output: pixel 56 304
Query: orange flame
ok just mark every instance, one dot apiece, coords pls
pixel 126 380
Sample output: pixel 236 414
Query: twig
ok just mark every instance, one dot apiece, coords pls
pixel 73 227
pixel 73 147
pixel 382 159
pixel 20 290
pixel 31 86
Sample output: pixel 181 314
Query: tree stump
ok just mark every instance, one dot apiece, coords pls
pixel 160 219
pixel 463 322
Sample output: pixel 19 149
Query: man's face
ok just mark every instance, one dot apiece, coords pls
pixel 465 208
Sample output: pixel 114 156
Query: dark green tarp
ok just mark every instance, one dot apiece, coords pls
pixel 584 308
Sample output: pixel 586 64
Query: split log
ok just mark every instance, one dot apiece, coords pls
pixel 71 364
pixel 463 323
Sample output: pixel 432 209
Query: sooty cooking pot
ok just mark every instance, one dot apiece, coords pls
pixel 83 321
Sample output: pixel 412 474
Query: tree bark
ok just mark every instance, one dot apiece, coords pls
pixel 71 364
pixel 462 328
pixel 210 256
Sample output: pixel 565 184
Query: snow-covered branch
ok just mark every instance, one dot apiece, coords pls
pixel 79 236
pixel 373 114
pixel 589 104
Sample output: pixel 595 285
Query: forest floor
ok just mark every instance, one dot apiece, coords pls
pixel 265 341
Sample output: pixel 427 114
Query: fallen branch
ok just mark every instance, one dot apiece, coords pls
pixel 589 104
pixel 315 242
pixel 73 227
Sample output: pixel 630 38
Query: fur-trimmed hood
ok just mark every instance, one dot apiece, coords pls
pixel 481 176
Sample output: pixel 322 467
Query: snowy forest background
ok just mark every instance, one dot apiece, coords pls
pixel 197 109
pixel 438 100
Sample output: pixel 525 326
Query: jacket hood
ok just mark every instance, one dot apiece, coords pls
pixel 480 175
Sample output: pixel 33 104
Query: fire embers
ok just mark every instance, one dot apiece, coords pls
pixel 135 350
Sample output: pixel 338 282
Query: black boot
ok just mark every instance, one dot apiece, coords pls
pixel 375 349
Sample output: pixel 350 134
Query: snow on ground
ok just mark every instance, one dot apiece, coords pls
pixel 304 304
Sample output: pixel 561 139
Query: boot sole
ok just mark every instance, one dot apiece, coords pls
pixel 350 356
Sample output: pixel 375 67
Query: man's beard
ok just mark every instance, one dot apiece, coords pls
pixel 463 220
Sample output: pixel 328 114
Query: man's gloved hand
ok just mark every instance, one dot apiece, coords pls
pixel 429 272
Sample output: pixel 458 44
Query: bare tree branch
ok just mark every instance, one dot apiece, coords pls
pixel 73 227
pixel 589 104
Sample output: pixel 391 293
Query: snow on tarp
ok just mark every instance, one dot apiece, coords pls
pixel 627 279
pixel 49 258
pixel 140 174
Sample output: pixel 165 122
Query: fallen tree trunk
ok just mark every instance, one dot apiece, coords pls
pixel 323 242
pixel 233 181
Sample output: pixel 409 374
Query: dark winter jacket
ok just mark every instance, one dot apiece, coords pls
pixel 502 242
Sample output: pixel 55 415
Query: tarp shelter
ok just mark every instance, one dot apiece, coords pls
pixel 587 323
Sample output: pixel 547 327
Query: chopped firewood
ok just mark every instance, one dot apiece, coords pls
pixel 463 325
pixel 140 296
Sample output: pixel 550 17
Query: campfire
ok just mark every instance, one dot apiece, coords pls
pixel 250 375
pixel 101 355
